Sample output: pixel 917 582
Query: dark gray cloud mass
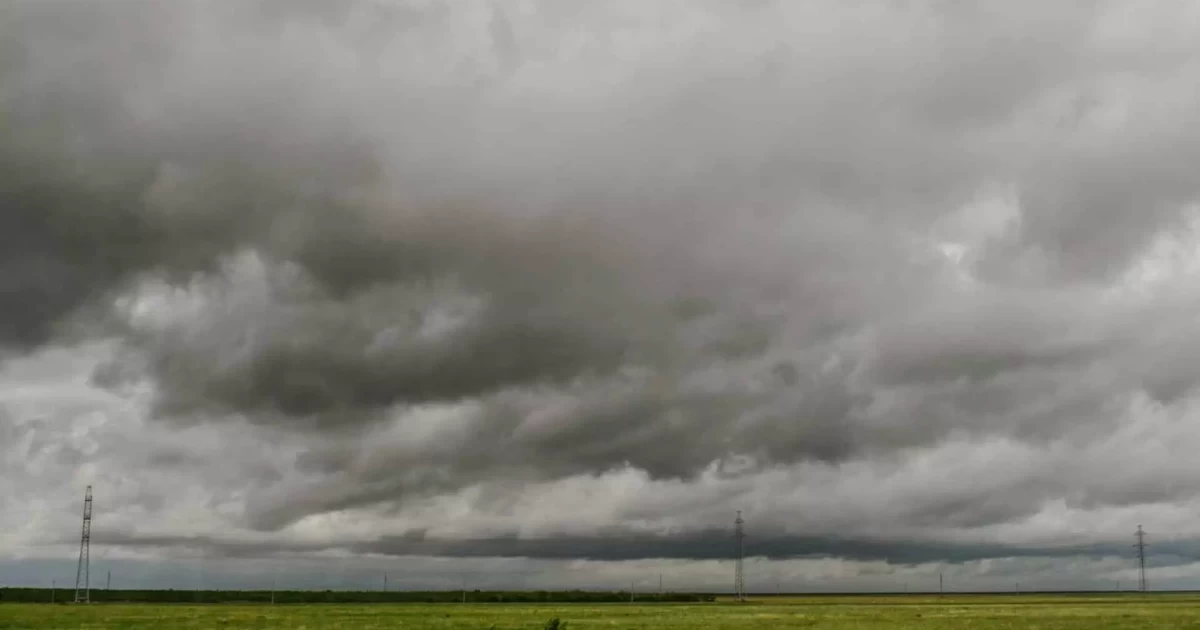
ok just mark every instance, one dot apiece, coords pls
pixel 698 545
pixel 405 264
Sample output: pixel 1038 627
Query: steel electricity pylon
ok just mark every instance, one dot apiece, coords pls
pixel 739 576
pixel 83 592
pixel 1140 545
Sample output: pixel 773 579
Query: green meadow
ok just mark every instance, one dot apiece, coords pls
pixel 1043 612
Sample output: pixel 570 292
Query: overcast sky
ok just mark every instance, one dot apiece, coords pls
pixel 542 292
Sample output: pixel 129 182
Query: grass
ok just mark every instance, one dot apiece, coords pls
pixel 1041 612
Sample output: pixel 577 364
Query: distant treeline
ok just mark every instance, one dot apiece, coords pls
pixel 62 595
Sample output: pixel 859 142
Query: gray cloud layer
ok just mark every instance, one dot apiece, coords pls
pixel 700 545
pixel 421 256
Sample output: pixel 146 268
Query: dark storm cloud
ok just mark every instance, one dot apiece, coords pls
pixel 80 167
pixel 694 545
pixel 602 246
pixel 241 169
pixel 337 333
pixel 704 545
pixel 591 428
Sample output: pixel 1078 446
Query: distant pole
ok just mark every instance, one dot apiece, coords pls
pixel 660 587
pixel 1141 551
pixel 631 591
pixel 941 586
pixel 272 591
pixel 906 588
pixel 739 576
pixel 385 581
pixel 464 590
pixel 108 581
pixel 53 587
pixel 1017 588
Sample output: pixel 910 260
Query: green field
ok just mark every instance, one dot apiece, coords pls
pixel 1081 612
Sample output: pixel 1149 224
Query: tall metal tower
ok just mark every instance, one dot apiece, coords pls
pixel 83 592
pixel 1140 545
pixel 739 578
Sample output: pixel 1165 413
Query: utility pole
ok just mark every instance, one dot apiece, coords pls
pixel 660 587
pixel 83 590
pixel 1140 545
pixel 739 577
pixel 385 581
pixel 631 584
pixel 941 586
pixel 53 588
pixel 464 589
pixel 272 591
pixel 108 580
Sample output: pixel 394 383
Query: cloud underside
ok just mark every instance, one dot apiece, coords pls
pixel 430 264
pixel 626 546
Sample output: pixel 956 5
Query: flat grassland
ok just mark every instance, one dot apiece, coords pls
pixel 1043 612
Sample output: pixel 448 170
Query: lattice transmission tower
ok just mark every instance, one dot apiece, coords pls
pixel 739 577
pixel 1140 545
pixel 83 592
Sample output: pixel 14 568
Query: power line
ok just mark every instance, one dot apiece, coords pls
pixel 1140 545
pixel 83 593
pixel 739 578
